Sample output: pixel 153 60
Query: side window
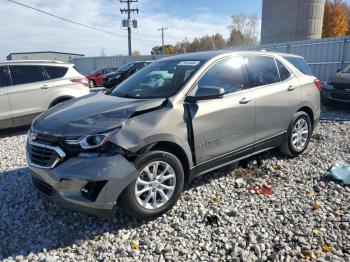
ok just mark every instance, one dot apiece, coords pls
pixel 262 70
pixel 300 64
pixel 26 74
pixel 4 77
pixel 227 74
pixel 55 72
pixel 284 72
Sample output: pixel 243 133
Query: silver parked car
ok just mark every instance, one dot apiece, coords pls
pixel 179 118
pixel 30 87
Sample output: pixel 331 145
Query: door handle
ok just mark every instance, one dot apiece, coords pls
pixel 45 87
pixel 245 100
pixel 291 88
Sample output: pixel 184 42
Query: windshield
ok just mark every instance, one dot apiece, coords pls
pixel 159 80
pixel 125 67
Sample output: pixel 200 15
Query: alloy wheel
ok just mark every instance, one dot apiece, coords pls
pixel 155 185
pixel 300 134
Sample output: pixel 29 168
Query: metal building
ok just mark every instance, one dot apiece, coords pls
pixel 44 55
pixel 291 20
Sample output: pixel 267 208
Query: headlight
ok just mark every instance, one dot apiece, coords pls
pixel 92 141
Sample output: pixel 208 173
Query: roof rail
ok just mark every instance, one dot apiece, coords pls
pixel 34 61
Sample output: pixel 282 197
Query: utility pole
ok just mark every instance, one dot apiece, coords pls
pixel 162 29
pixel 127 22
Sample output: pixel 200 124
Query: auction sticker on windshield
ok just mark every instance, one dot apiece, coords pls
pixel 189 63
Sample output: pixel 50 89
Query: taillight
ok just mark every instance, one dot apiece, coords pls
pixel 318 84
pixel 82 81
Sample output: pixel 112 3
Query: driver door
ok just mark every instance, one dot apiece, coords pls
pixel 222 127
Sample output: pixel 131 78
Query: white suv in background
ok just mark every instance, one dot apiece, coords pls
pixel 28 88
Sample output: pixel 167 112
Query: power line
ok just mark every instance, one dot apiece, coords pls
pixel 76 23
pixel 127 22
pixel 162 29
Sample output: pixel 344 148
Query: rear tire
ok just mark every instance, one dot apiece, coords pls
pixel 298 135
pixel 157 188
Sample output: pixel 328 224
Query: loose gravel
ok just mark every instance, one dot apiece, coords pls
pixel 217 218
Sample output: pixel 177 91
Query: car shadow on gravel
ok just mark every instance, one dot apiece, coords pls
pixel 14 131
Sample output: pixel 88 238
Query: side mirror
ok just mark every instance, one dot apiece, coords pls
pixel 338 71
pixel 206 93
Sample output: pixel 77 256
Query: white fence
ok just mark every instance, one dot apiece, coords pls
pixel 325 56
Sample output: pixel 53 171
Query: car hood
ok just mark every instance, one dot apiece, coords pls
pixel 91 114
pixel 341 78
pixel 340 81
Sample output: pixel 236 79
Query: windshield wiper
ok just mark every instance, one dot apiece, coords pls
pixel 129 96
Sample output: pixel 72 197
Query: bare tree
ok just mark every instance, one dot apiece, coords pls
pixel 244 30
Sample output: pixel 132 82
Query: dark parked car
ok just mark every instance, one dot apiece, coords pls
pixel 96 77
pixel 115 78
pixel 337 89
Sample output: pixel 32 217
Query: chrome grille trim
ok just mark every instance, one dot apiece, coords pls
pixel 56 149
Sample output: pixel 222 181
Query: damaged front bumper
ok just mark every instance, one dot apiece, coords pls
pixel 86 184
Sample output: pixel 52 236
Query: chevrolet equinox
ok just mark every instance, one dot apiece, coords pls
pixel 180 117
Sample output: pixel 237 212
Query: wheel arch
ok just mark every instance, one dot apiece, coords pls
pixel 173 148
pixel 309 112
pixel 60 99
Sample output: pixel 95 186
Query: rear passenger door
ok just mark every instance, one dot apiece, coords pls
pixel 276 95
pixel 28 94
pixel 5 112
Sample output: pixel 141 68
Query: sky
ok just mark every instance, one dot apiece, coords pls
pixel 25 30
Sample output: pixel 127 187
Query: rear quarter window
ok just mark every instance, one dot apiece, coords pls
pixel 55 72
pixel 300 64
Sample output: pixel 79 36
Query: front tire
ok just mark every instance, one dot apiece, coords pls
pixel 157 188
pixel 298 135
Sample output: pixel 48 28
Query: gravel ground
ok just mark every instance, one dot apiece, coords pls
pixel 217 218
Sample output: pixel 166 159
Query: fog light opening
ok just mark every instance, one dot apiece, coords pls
pixel 92 189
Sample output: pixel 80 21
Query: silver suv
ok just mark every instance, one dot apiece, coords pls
pixel 30 87
pixel 179 118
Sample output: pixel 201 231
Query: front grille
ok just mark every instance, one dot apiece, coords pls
pixel 48 139
pixel 43 187
pixel 341 96
pixel 44 157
